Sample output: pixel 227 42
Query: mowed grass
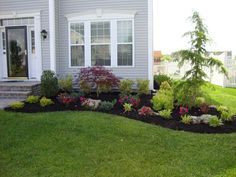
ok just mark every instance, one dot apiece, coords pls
pixel 88 144
pixel 221 96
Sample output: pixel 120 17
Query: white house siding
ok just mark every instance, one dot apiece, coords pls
pixel 28 6
pixel 140 69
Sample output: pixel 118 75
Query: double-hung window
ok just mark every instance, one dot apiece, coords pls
pixel 125 43
pixel 77 53
pixel 102 43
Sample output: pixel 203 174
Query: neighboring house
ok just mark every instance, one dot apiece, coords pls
pixel 157 57
pixel 64 36
pixel 172 69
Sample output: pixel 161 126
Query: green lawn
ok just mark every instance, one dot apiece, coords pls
pixel 87 144
pixel 222 96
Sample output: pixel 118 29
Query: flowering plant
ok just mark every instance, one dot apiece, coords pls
pixel 183 110
pixel 145 111
pixel 66 99
pixel 133 100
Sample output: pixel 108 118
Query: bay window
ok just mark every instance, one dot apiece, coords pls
pixel 101 43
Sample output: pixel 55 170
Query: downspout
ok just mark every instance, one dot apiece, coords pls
pixel 52 35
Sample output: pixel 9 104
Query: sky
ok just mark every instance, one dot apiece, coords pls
pixel 170 23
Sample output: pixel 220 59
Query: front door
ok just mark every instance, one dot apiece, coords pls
pixel 17 56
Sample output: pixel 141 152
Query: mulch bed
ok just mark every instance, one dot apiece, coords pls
pixel 173 123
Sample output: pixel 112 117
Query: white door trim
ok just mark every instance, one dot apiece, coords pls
pixel 38 47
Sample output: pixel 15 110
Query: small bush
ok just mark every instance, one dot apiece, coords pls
pixel 145 111
pixel 226 116
pixel 46 102
pixel 99 78
pixel 143 87
pixel 66 83
pixel 222 109
pixel 200 101
pixel 127 107
pixel 66 99
pixel 161 78
pixel 215 122
pixel 32 99
pixel 107 105
pixel 186 119
pixel 165 86
pixel 49 84
pixel 126 86
pixel 76 94
pixel 164 99
pixel 166 114
pixel 17 105
pixel 133 100
pixel 85 87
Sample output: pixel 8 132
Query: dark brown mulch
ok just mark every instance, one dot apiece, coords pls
pixel 173 123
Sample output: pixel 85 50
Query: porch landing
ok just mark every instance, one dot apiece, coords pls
pixel 17 90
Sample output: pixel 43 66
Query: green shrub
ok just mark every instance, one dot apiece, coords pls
pixel 164 99
pixel 185 94
pixel 85 87
pixel 127 107
pixel 77 94
pixel 107 105
pixel 200 101
pixel 222 109
pixel 46 102
pixel 66 83
pixel 215 122
pixel 143 87
pixel 226 116
pixel 17 105
pixel 32 99
pixel 166 114
pixel 186 119
pixel 126 86
pixel 49 84
pixel 165 86
pixel 161 78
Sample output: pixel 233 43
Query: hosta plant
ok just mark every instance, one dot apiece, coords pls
pixel 32 99
pixel 186 119
pixel 214 121
pixel 166 114
pixel 46 102
pixel 127 107
pixel 17 105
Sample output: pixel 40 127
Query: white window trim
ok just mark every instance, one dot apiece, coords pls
pixel 113 44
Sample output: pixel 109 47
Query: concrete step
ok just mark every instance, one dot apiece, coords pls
pixel 4 86
pixel 14 94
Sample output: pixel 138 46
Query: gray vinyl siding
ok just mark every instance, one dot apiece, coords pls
pixel 29 6
pixel 140 69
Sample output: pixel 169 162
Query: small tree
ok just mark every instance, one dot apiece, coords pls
pixel 199 59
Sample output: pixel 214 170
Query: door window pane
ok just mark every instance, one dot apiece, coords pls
pixel 32 42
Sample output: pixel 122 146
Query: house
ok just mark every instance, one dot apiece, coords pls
pixel 64 36
pixel 157 56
